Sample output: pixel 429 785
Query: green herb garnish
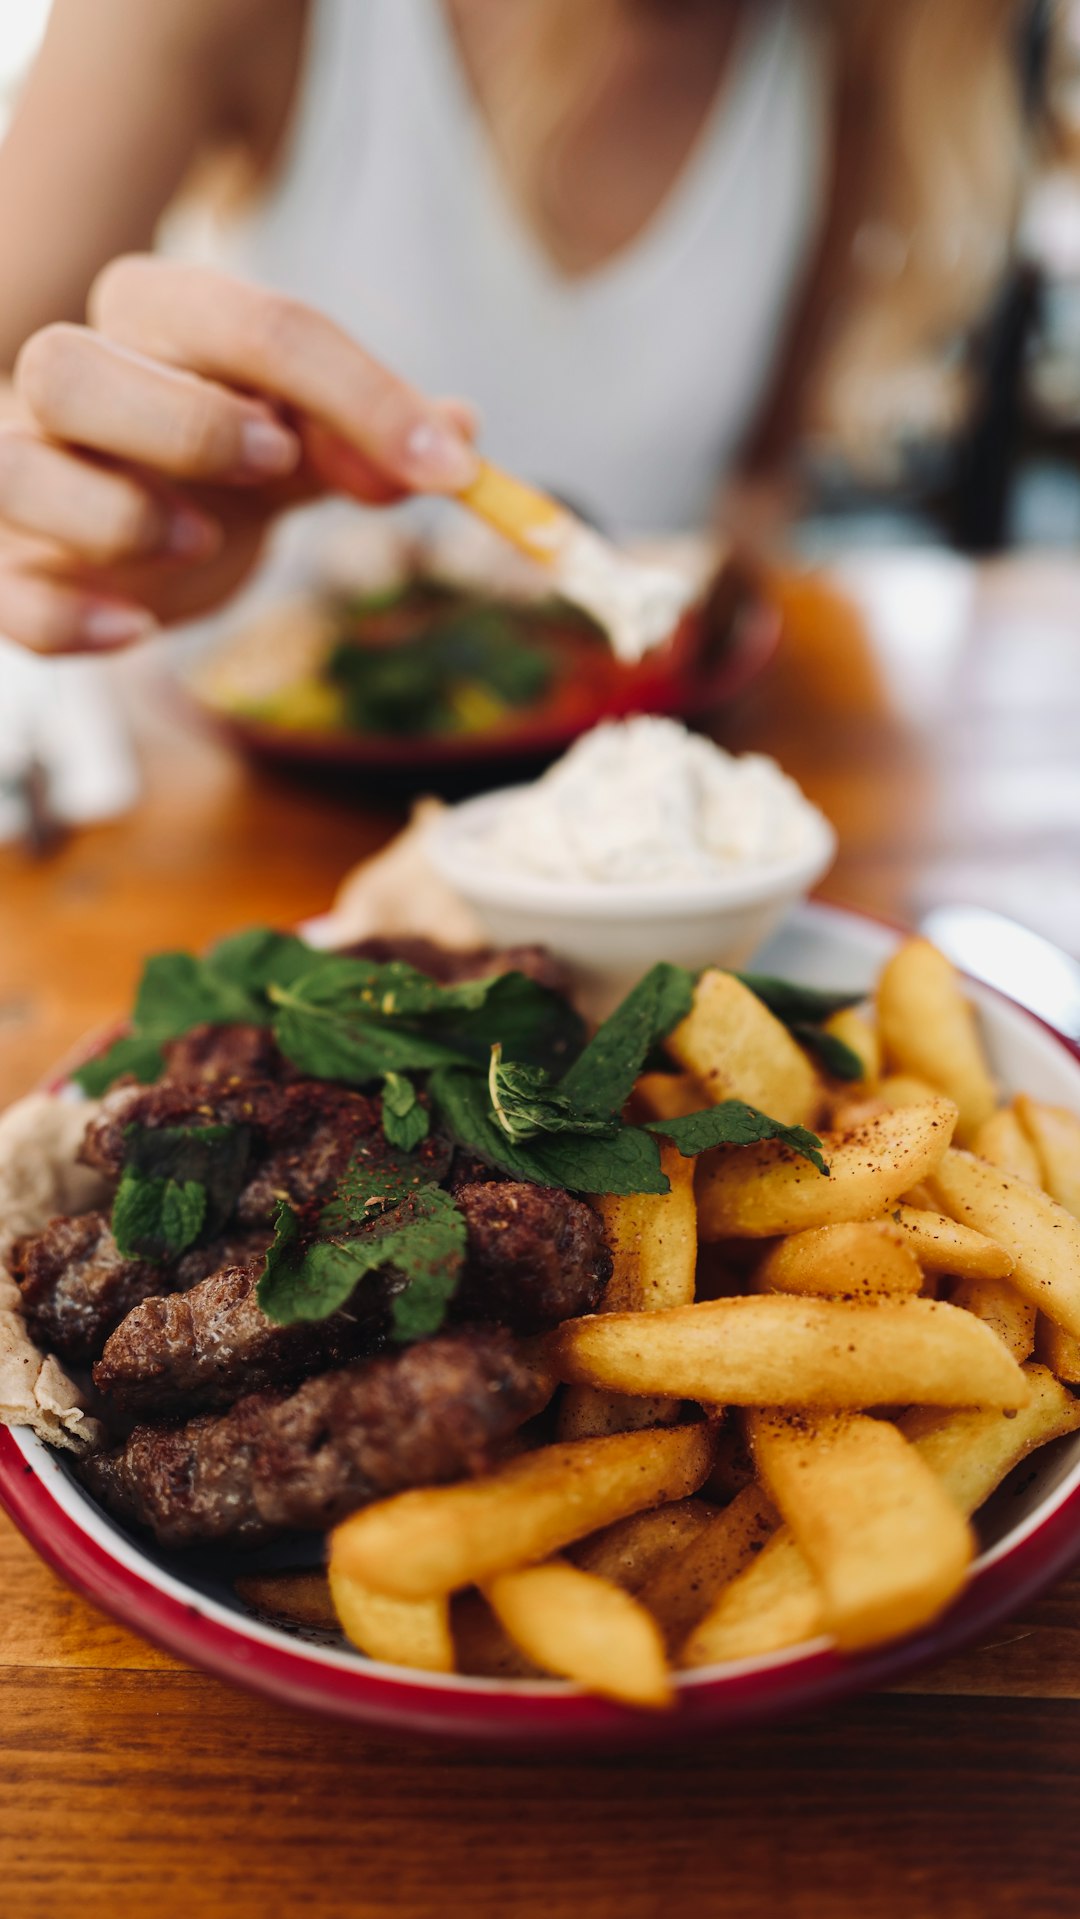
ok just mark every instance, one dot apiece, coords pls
pixel 405 1121
pixel 803 1010
pixel 179 1184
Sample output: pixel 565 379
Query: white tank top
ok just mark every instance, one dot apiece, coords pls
pixel 627 389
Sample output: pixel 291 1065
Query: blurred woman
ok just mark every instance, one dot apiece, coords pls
pixel 655 242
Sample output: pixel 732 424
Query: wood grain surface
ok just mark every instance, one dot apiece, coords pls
pixel 939 725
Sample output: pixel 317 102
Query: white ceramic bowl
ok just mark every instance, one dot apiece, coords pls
pixel 611 934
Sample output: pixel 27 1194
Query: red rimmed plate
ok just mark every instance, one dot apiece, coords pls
pixel 1031 1529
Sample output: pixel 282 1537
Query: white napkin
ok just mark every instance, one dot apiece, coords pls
pixel 62 714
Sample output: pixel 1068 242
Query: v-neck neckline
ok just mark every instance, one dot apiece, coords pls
pixel 712 156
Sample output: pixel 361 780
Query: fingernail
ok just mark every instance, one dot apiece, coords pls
pixel 106 626
pixel 189 536
pixel 268 448
pixel 439 458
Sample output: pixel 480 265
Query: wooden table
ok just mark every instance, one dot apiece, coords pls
pixel 943 739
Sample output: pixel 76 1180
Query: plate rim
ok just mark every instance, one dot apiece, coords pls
pixel 365 1692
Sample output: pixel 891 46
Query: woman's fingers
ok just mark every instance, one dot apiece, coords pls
pixel 95 393
pixel 230 331
pixel 98 514
pixel 51 616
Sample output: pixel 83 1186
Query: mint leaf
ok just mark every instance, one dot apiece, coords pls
pixel 404 1121
pixel 603 1076
pixel 178 991
pixel 215 1158
pixel 134 1053
pixel 525 1101
pixel 790 1001
pixel 837 1058
pixel 733 1123
pixel 156 1219
pixel 259 958
pixel 621 1159
pixel 335 1043
pixel 422 1239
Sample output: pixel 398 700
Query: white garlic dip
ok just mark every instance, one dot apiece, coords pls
pixel 646 801
pixel 638 605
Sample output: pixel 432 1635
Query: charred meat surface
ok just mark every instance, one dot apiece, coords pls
pixel 214 1053
pixel 314 1134
pixel 76 1284
pixel 437 1411
pixel 186 1351
pixel 534 1256
pixel 243 1102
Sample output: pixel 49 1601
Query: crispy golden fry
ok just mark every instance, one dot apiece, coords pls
pixel 295 1598
pixel 1054 1133
pixel 1058 1350
pixel 942 1246
pixel 653 1240
pixel 971 1452
pixel 685 1584
pixel 861 1259
pixel 773 1603
pixel 776 1602
pixel 779 1350
pixel 403 1632
pixel 581 1627
pixel 1042 1237
pixel 629 1552
pixel 1007 1313
pixel 737 1049
pixel 667 1096
pixel 886 1544
pixel 422 1544
pixel 928 1030
pixel 1002 1140
pixel 905 1089
pixel 757 1192
pixel 858 1032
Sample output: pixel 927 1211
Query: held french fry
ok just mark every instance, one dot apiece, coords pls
pixel 653 1241
pixel 1043 1238
pixel 403 1632
pixel 1054 1133
pixel 737 1049
pixel 971 1452
pixel 685 1584
pixel 942 1246
pixel 1007 1313
pixel 580 1627
pixel 885 1542
pixel 861 1259
pixel 778 1349
pixel 1002 1140
pixel 422 1544
pixel 757 1192
pixel 928 1029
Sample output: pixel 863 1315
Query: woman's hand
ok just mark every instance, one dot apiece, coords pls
pixel 156 444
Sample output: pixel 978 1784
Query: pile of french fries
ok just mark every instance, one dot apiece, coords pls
pixel 799 1390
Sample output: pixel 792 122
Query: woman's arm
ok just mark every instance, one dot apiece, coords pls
pixel 123 97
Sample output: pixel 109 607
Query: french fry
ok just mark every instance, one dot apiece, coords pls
pixel 1002 1140
pixel 861 1259
pixel 971 1452
pixel 941 1245
pixel 295 1598
pixel 629 1552
pixel 773 1603
pixel 1007 1313
pixel 860 1034
pixel 1058 1350
pixel 422 1544
pixel 757 1192
pixel 928 1029
pixel 1042 1237
pixel 905 1089
pixel 886 1544
pixel 403 1632
pixel 1054 1133
pixel 737 1049
pixel 780 1350
pixel 521 513
pixel 571 1623
pixel 653 1241
pixel 668 1096
pixel 685 1584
